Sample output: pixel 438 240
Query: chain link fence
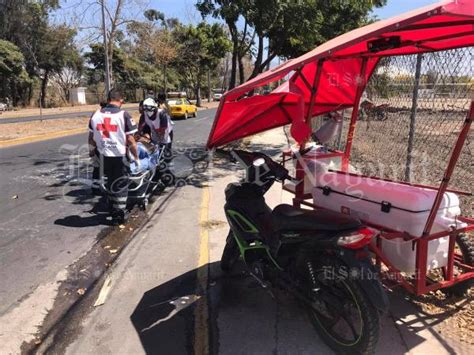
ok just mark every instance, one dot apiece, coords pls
pixel 411 113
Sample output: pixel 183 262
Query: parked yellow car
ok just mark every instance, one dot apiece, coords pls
pixel 182 108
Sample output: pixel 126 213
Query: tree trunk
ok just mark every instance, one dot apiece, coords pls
pixel 165 80
pixel 258 60
pixel 233 69
pixel 241 70
pixel 262 66
pixel 235 51
pixel 198 92
pixel 44 85
pixel 226 71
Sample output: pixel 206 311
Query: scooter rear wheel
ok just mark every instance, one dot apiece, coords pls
pixel 340 312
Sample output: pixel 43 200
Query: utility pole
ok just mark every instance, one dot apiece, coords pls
pixel 414 106
pixel 209 86
pixel 106 51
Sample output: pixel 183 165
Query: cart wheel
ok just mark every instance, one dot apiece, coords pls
pixel 466 247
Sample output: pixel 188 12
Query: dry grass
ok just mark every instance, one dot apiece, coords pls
pixel 25 129
pixel 56 110
pixel 457 314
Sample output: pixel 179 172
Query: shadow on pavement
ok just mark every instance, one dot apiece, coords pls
pixel 246 319
pixel 76 221
pixel 97 214
pixel 164 316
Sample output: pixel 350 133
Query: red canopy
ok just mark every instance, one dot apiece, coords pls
pixel 328 77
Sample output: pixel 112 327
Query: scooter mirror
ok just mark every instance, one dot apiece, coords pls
pixel 258 162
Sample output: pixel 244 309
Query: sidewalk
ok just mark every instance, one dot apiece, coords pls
pixel 153 284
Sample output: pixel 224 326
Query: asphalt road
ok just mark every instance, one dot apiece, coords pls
pixel 46 219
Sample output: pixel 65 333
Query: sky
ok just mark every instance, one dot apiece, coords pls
pixel 185 10
pixel 85 14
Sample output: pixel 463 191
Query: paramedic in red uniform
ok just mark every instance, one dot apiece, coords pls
pixel 111 132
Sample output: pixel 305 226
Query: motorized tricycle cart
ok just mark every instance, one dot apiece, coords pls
pixel 417 68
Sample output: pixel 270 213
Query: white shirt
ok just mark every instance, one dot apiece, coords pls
pixel 110 126
pixel 162 120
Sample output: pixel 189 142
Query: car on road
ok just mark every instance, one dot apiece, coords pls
pixel 181 108
pixel 217 96
pixel 3 106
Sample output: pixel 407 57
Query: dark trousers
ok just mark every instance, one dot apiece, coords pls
pixel 168 153
pixel 116 171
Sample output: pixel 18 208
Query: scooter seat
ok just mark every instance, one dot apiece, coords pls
pixel 289 218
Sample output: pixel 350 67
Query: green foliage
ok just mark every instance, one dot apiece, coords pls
pixel 292 28
pixel 200 49
pixel 46 48
pixel 11 59
pixel 57 49
pixel 12 69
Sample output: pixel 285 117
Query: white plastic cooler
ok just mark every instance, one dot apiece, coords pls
pixel 393 205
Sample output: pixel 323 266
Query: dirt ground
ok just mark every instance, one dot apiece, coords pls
pixel 11 131
pixel 52 111
pixel 68 109
pixel 25 129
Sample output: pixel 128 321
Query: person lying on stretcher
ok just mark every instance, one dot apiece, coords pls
pixel 148 154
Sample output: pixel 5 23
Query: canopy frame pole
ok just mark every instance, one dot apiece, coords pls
pixel 355 115
pixel 300 173
pixel 422 247
pixel 314 89
pixel 449 170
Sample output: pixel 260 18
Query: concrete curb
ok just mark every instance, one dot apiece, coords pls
pixel 56 320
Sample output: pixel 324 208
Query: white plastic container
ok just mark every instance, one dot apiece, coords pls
pixel 316 163
pixel 396 206
pixel 402 253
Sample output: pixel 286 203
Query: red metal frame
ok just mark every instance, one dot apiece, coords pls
pixel 421 283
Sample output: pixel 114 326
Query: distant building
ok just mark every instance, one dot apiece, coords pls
pixel 77 96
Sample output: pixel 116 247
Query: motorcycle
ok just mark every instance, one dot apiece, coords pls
pixel 319 256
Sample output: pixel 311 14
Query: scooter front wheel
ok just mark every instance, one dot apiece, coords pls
pixel 231 253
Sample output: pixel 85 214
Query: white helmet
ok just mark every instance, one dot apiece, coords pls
pixel 150 107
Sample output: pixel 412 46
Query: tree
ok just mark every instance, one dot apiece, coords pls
pixel 56 52
pixel 201 48
pixel 12 71
pixel 290 27
pixel 229 11
pixel 154 41
pixel 129 71
pixel 25 23
pixel 117 14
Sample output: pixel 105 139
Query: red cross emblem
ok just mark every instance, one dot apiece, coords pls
pixel 106 127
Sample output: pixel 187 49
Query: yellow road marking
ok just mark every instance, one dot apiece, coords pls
pixel 41 137
pixel 201 312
